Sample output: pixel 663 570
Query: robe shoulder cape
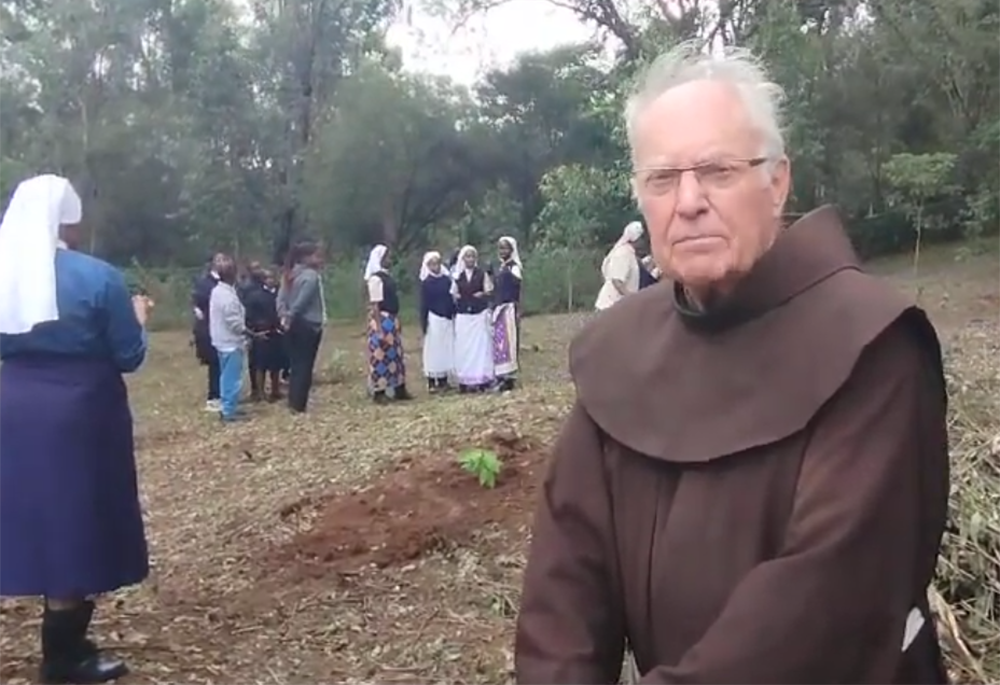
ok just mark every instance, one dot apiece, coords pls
pixel 752 495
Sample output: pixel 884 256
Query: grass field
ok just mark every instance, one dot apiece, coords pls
pixel 346 545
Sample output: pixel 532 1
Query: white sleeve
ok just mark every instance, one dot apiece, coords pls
pixel 620 265
pixel 375 290
pixel 515 270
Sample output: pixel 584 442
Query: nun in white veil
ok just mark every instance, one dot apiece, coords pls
pixel 70 522
pixel 386 359
pixel 507 313
pixel 620 269
pixel 437 319
pixel 473 324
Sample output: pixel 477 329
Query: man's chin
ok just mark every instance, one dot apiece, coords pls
pixel 705 278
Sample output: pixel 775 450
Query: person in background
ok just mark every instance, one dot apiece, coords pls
pixel 507 314
pixel 386 364
pixel 473 324
pixel 455 263
pixel 70 520
pixel 206 354
pixel 437 320
pixel 620 269
pixel 266 353
pixel 649 272
pixel 248 278
pixel 271 284
pixel 302 305
pixel 228 328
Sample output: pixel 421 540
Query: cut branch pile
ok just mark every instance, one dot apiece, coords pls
pixel 966 599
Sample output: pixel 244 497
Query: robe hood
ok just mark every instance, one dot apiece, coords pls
pixel 684 386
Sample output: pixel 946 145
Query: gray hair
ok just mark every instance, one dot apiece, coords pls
pixel 738 67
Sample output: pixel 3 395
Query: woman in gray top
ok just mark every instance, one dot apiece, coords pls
pixel 303 313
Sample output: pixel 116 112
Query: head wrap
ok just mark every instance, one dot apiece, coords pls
pixel 29 236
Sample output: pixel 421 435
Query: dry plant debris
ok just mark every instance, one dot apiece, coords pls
pixel 347 546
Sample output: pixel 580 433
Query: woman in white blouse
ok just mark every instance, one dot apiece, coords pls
pixel 620 268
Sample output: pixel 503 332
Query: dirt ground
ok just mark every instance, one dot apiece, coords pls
pixel 347 545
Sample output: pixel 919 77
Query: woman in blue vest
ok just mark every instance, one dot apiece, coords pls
pixel 386 366
pixel 473 324
pixel 437 320
pixel 507 313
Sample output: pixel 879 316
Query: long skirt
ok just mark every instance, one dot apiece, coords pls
pixel 386 369
pixel 505 342
pixel 439 347
pixel 70 519
pixel 474 348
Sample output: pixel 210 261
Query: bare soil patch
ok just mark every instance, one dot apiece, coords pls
pixel 425 503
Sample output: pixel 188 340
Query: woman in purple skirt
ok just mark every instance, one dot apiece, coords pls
pixel 70 521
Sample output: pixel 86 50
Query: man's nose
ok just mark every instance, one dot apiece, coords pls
pixel 691 200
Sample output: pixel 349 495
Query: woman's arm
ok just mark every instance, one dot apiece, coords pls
pixel 125 334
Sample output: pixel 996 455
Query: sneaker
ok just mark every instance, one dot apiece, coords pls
pixel 214 406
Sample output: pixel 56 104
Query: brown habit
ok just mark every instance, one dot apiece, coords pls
pixel 754 495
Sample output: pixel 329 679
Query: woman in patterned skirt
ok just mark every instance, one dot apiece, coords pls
pixel 386 367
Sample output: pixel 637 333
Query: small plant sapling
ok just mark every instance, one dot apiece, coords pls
pixel 484 464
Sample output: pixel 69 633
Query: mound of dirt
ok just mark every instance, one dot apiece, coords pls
pixel 426 502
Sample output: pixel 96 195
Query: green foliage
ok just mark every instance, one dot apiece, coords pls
pixel 918 178
pixel 482 463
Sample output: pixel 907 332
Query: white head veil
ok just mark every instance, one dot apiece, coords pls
pixel 375 258
pixel 29 235
pixel 460 262
pixel 515 254
pixel 425 270
pixel 632 233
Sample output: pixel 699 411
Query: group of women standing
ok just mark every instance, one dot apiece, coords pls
pixel 469 316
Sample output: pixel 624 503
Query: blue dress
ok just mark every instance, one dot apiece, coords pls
pixel 70 520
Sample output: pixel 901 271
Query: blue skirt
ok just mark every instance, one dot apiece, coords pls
pixel 70 520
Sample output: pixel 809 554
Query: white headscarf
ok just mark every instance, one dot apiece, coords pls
pixel 425 270
pixel 515 255
pixel 632 233
pixel 460 262
pixel 375 258
pixel 29 235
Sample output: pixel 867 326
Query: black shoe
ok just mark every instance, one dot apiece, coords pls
pixel 68 656
pixel 379 397
pixel 402 394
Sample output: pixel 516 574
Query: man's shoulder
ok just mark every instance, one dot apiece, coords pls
pixel 611 333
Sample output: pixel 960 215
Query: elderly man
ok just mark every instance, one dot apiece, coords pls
pixel 751 486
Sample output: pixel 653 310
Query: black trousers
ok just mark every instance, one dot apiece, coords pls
pixel 213 375
pixel 303 341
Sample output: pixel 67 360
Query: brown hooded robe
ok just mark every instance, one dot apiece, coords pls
pixel 752 495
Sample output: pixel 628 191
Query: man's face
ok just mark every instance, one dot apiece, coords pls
pixel 708 226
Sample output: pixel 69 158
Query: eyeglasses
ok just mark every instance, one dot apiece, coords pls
pixel 710 176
